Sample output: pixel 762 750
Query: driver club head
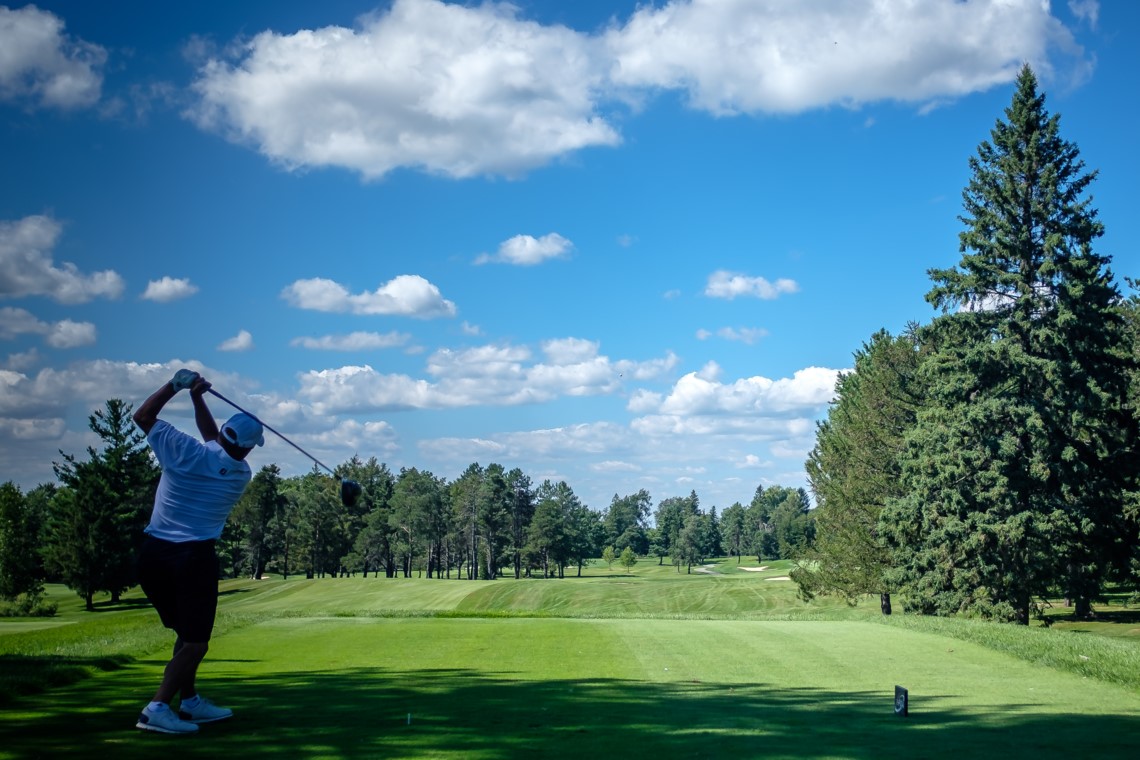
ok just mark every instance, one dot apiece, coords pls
pixel 350 491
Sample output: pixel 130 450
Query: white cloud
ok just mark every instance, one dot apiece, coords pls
pixel 466 90
pixel 746 335
pixel 448 88
pixel 68 334
pixel 356 341
pixel 643 401
pixel 563 351
pixel 23 360
pixel 27 269
pixel 569 442
pixel 1086 10
pixel 469 329
pixel 807 389
pixel 407 295
pixel 611 465
pixel 43 67
pixel 62 334
pixel 751 461
pixel 526 250
pixel 724 284
pixel 491 375
pixel 169 289
pixel 243 341
pixel 771 56
pixel 26 430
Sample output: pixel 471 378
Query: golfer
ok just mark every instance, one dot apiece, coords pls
pixel 178 566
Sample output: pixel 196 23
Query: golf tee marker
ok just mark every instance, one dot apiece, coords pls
pixel 902 702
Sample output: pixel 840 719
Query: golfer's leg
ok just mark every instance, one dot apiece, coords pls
pixel 181 671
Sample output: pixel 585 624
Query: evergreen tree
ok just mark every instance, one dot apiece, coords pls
pixel 626 522
pixel 550 538
pixel 521 511
pixel 262 500
pixel 1018 467
pixel 416 498
pixel 18 568
pixel 465 496
pixel 372 545
pixel 494 516
pixel 733 530
pixel 854 470
pixel 97 519
pixel 585 534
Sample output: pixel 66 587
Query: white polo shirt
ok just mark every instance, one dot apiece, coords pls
pixel 199 486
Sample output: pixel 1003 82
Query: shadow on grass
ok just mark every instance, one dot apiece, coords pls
pixel 468 714
pixel 30 674
pixel 1127 617
pixel 121 605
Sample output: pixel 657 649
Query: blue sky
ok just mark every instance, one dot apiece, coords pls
pixel 623 245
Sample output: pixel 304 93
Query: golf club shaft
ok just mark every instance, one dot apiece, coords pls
pixel 271 430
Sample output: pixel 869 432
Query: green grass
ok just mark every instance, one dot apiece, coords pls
pixel 653 663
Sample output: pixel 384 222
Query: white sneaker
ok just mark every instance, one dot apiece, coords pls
pixel 165 722
pixel 204 712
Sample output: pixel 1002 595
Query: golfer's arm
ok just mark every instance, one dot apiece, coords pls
pixel 203 418
pixel 147 413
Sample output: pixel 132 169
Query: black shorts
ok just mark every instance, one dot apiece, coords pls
pixel 181 581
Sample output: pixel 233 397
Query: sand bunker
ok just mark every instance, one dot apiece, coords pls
pixel 779 578
pixel 753 569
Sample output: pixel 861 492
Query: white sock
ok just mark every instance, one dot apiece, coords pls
pixel 191 703
pixel 157 707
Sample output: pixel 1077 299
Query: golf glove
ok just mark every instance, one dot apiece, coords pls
pixel 183 379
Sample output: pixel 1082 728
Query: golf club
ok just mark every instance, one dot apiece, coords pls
pixel 350 490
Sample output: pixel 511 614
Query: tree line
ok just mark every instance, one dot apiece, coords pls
pixel 986 463
pixel 85 530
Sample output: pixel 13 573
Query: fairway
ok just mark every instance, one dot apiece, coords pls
pixel 335 667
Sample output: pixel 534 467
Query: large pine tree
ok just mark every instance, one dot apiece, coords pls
pixel 1018 466
pixel 97 518
pixel 854 471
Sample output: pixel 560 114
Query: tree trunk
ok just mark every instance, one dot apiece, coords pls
pixel 885 603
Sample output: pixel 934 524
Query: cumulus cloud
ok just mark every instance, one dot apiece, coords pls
pixel 746 335
pixel 169 289
pixel 22 360
pixel 452 89
pixel 243 341
pixel 568 442
pixel 356 341
pixel 770 56
pixel 729 285
pixel 27 268
pixel 42 67
pixel 62 334
pixel 45 412
pixel 525 250
pixel 807 388
pixel 407 295
pixel 68 334
pixel 491 375
pixel 50 391
pixel 465 90
pixel 699 404
pixel 1086 10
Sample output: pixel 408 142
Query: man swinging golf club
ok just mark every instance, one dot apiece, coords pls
pixel 178 566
